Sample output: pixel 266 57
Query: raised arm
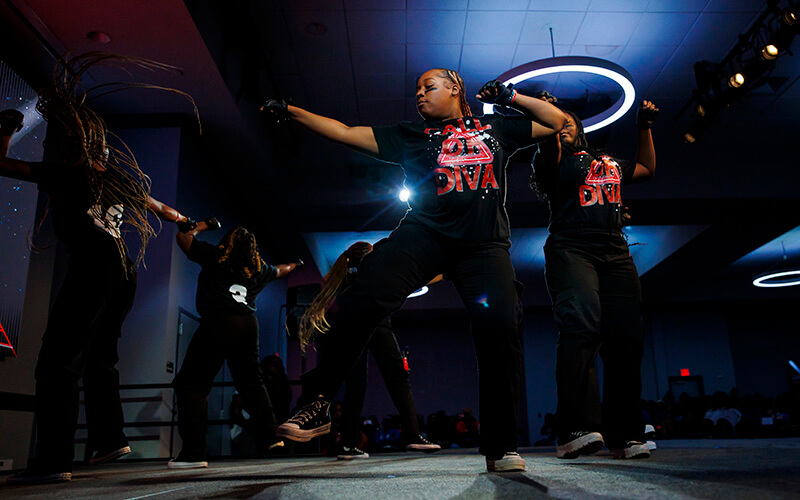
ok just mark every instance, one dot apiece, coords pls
pixel 547 119
pixel 285 269
pixel 185 239
pixel 646 154
pixel 360 138
pixel 10 123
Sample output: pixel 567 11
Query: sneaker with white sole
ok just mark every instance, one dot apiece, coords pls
pixel 651 445
pixel 578 443
pixel 179 463
pixel 103 456
pixel 311 421
pixel 510 462
pixel 34 476
pixel 632 449
pixel 351 453
pixel 419 443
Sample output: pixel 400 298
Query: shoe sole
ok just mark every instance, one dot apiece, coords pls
pixel 634 452
pixel 352 457
pixel 61 477
pixel 302 436
pixel 111 456
pixel 186 465
pixel 424 448
pixel 584 445
pixel 507 468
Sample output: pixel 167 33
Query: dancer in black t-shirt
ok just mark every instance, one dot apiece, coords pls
pixel 595 289
pixel 384 348
pixel 457 225
pixel 92 190
pixel 233 274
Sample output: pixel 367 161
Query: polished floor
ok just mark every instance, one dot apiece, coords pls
pixel 747 469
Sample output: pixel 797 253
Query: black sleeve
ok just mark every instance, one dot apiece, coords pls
pixel 47 175
pixel 268 273
pixel 203 253
pixel 544 172
pixel 514 132
pixel 627 168
pixel 390 143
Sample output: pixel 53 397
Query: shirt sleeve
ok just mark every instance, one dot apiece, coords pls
pixel 514 132
pixel 268 273
pixel 203 253
pixel 627 168
pixel 46 175
pixel 390 143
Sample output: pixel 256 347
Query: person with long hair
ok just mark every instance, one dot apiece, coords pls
pixel 93 189
pixel 384 348
pixel 233 274
pixel 595 288
pixel 457 225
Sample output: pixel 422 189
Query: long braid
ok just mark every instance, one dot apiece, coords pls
pixel 65 103
pixel 456 79
pixel 240 253
pixel 313 319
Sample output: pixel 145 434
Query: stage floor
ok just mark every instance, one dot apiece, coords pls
pixel 765 468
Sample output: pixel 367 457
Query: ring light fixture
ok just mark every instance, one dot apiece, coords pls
pixel 421 291
pixel 578 64
pixel 778 279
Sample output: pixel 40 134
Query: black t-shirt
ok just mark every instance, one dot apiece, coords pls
pixel 456 171
pixel 70 204
pixel 221 291
pixel 584 192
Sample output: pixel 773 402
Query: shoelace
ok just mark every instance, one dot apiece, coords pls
pixel 308 412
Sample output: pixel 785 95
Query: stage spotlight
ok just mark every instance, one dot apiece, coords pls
pixel 770 52
pixel 789 17
pixel 736 80
pixel 700 110
pixel 689 138
pixel 404 195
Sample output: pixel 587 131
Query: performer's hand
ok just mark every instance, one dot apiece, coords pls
pixel 187 225
pixel 212 224
pixel 11 121
pixel 545 96
pixel 496 92
pixel 646 115
pixel 276 109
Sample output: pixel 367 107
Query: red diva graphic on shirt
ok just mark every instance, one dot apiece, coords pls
pixel 602 183
pixel 464 159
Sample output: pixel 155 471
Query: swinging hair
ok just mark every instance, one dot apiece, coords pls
pixel 313 319
pixel 240 253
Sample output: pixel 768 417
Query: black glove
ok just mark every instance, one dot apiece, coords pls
pixel 646 117
pixel 547 96
pixel 11 119
pixel 212 224
pixel 503 95
pixel 277 109
pixel 186 226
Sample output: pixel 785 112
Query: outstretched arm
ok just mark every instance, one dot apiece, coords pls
pixel 165 212
pixel 646 154
pixel 185 239
pixel 547 119
pixel 283 270
pixel 360 138
pixel 10 123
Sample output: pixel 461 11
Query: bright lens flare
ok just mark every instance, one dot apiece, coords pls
pixel 404 195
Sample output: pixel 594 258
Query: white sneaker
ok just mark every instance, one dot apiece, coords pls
pixel 351 454
pixel 632 449
pixel 174 464
pixel 511 462
pixel 651 445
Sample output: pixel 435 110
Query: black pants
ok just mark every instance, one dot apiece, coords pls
pixel 81 341
pixel 596 296
pixel 384 348
pixel 484 278
pixel 219 338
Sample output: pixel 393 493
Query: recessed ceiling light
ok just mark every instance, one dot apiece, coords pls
pixel 99 37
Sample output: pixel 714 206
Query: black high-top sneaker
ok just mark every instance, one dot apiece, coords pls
pixel 311 421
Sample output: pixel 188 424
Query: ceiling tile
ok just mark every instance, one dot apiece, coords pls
pixel 671 85
pixel 352 5
pixel 676 5
pixel 642 82
pixel 617 6
pixel 609 52
pixel 536 30
pixel 663 28
pixel 528 53
pixel 717 32
pixel 494 59
pixel 751 6
pixel 384 86
pixel 330 45
pixel 437 4
pixel 645 58
pixel 607 28
pixel 495 5
pixel 436 26
pixel 494 27
pixel 563 5
pixel 382 111
pixel 379 58
pixel 380 27
pixel 312 5
pixel 421 58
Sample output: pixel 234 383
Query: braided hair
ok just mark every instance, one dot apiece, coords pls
pixel 334 282
pixel 456 79
pixel 64 103
pixel 240 253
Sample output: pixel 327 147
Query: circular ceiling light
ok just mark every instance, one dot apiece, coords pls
pixel 577 64
pixel 421 291
pixel 778 279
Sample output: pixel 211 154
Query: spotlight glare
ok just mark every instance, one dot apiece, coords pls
pixel 689 138
pixel 769 53
pixel 701 111
pixel 421 291
pixel 780 279
pixel 789 17
pixel 405 194
pixel 736 80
